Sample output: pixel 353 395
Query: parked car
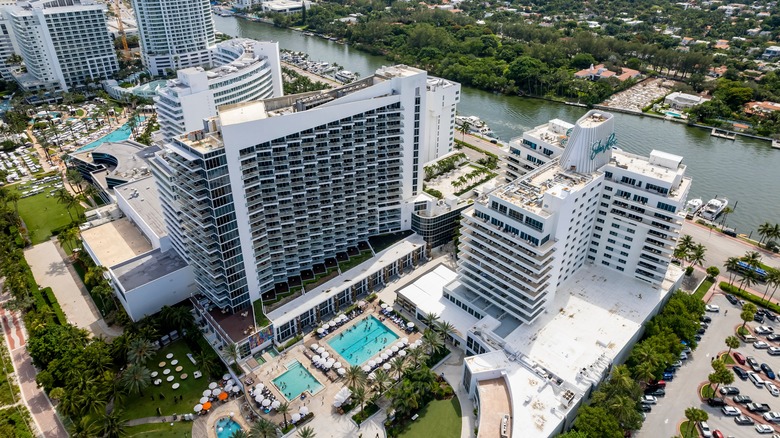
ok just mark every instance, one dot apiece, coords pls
pixel 742 399
pixel 763 330
pixel 701 331
pixel 753 363
pixel 649 400
pixel 732 299
pixel 772 416
pixel 739 357
pixel 705 318
pixel 668 376
pixel 764 428
pixel 704 325
pixel 730 411
pixel 729 390
pixel 773 351
pixel 712 308
pixel 645 408
pixel 741 373
pixel 658 392
pixel 771 316
pixel 772 388
pixel 760 345
pixel 677 364
pixel 768 371
pixel 774 337
pixel 716 401
pixel 758 408
pixel 758 318
pixel 706 432
pixel 697 337
pixel 744 420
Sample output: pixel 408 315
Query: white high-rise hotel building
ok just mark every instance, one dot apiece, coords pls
pixel 174 34
pixel 269 188
pixel 593 204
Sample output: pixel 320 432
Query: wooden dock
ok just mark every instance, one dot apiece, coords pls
pixel 720 133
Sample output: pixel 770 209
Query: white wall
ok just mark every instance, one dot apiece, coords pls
pixel 151 297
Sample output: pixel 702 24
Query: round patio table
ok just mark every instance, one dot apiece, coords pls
pixel 167 371
pixel 179 368
pixel 175 386
pixel 169 378
pixel 169 356
pixel 184 376
pixel 161 364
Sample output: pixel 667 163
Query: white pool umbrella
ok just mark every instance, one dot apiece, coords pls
pixel 316 358
pixel 337 365
pixel 320 350
pixel 212 385
pixel 320 330
pixel 365 368
pixel 225 376
pixel 405 340
pixel 386 367
pixel 342 371
pixel 372 363
pixel 383 305
pixel 198 408
pixel 295 417
pixel 394 349
pixel 259 398
pixel 266 403
pixel 325 355
pixel 259 387
pixel 203 400
pixel 206 392
pixel 229 382
pixel 384 357
pixel 314 347
pixel 216 391
pixel 402 353
pixel 235 389
pixel 410 324
pixel 276 404
pixel 228 388
pixel 304 410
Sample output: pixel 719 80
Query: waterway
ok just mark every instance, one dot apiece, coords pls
pixel 745 171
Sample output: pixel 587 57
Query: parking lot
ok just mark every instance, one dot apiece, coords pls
pixel 682 391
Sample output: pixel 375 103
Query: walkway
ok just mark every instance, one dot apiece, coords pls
pixel 452 370
pixel 43 413
pixel 49 267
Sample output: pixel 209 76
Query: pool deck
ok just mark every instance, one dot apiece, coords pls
pixel 203 427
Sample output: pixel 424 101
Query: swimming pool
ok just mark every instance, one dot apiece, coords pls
pixel 362 341
pixel 120 134
pixel 225 427
pixel 295 381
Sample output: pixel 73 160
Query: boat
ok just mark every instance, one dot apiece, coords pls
pixel 345 76
pixel 713 208
pixel 721 133
pixel 476 126
pixel 776 144
pixel 692 207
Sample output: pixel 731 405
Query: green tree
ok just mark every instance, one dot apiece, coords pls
pixel 732 342
pixel 135 379
pixel 262 428
pixel 306 432
pixel 720 375
pixel 284 409
pixel 582 60
pixel 764 230
pixel 140 350
pixel 696 255
pixel 713 272
pixel 114 425
pixel 732 266
pixel 355 377
pixel 695 416
pixel 359 395
pixel 84 427
pixel 597 422
pixel 748 312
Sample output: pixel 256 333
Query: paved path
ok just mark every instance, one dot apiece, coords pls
pixel 452 369
pixel 44 416
pixel 50 269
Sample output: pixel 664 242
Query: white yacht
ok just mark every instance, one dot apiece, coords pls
pixel 713 208
pixel 692 207
pixel 345 76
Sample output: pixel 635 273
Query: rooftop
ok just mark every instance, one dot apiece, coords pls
pixel 116 241
pixel 494 405
pixel 553 132
pixel 143 198
pixel 128 160
pixel 146 268
pixel 660 165
pixel 321 293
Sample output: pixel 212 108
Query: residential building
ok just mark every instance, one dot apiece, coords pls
pixel 597 72
pixel 684 101
pixel 8 47
pixel 761 108
pixel 592 205
pixel 536 147
pixel 442 100
pixel 771 52
pixel 285 7
pixel 267 189
pixel 174 34
pixel 244 70
pixel 64 43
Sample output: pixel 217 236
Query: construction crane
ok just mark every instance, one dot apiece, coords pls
pixel 121 27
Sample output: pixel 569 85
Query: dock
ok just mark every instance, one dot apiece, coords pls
pixel 721 133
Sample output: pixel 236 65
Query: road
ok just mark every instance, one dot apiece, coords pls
pixel 681 393
pixel 720 247
pixel 39 405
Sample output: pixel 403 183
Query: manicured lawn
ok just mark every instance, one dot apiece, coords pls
pixel 354 261
pixel 727 359
pixel 161 430
pixel 707 391
pixel 703 288
pixel 689 431
pixel 191 389
pixel 43 214
pixel 441 418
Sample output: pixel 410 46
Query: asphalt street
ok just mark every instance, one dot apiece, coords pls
pixel 682 392
pixel 720 247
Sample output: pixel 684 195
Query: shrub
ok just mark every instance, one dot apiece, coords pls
pixel 689 270
pixel 371 298
pixel 747 296
pixel 55 305
pixel 290 343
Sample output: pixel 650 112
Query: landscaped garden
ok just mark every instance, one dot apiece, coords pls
pixel 9 392
pixel 43 214
pixel 160 430
pixel 440 418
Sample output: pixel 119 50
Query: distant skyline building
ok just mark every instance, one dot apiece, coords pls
pixel 593 204
pixel 269 188
pixel 64 43
pixel 174 34
pixel 244 70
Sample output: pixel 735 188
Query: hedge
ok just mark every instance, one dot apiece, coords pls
pixel 55 305
pixel 725 287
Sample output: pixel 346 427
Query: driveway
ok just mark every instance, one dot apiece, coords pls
pixel 681 393
pixel 50 269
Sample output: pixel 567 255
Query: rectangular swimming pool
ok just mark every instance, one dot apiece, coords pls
pixel 295 381
pixel 362 341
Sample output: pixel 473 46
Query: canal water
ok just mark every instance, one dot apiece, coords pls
pixel 745 171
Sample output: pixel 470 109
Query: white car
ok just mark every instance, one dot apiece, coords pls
pixel 772 389
pixel 712 308
pixel 773 351
pixel 760 345
pixel 649 400
pixel 764 428
pixel 730 411
pixel 764 330
pixel 772 417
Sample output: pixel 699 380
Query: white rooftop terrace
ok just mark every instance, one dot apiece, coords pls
pixel 660 165
pixel 594 315
pixel 552 132
pixel 142 196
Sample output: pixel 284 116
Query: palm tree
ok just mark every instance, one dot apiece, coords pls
pixel 136 378
pixel 696 255
pixel 85 427
pixel 416 356
pixel 726 212
pixel 113 425
pixel 106 294
pixel 464 129
pixel 732 265
pixel 381 381
pixel 776 284
pixel 306 432
pixel 67 199
pixel 355 377
pixel 731 342
pixel 695 416
pixel 240 433
pixel 685 243
pixel 284 409
pixel 232 353
pixel 752 258
pixel 764 230
pixel 747 314
pixel 397 366
pixel 359 395
pixel 89 194
pixel 432 341
pixel 94 275
pixel 262 429
pixel 772 279
pixel 140 350
pixel 749 278
pixel 430 319
pixel 178 317
pixel 447 329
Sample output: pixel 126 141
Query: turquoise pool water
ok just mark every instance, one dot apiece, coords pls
pixel 362 341
pixel 120 134
pixel 295 381
pixel 225 427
